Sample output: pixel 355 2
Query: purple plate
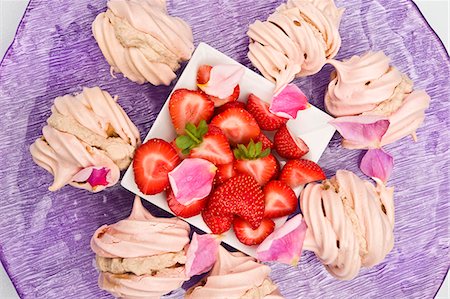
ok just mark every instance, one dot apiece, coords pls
pixel 44 236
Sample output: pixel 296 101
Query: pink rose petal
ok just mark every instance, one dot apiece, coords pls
pixel 359 132
pixel 95 176
pixel 192 180
pixel 201 254
pixel 222 80
pixel 376 163
pixel 285 244
pixel 288 102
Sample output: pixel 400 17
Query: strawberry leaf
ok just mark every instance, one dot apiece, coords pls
pixel 265 153
pixel 184 142
pixel 250 152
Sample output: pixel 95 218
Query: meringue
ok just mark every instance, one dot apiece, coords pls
pixel 141 256
pixel 142 41
pixel 235 275
pixel 368 85
pixel 350 223
pixel 296 40
pixel 87 135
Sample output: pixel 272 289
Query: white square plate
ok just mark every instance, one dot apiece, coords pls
pixel 311 125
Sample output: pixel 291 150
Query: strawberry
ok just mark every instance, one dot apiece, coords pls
pixel 224 172
pixel 299 172
pixel 189 106
pixel 249 236
pixel 280 199
pixel 235 104
pixel 152 162
pixel 181 210
pixel 260 111
pixel 217 224
pixel 205 142
pixel 203 78
pixel 289 146
pixel 266 142
pixel 254 161
pixel 237 124
pixel 240 195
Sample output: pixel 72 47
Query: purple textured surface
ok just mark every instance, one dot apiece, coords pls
pixel 44 237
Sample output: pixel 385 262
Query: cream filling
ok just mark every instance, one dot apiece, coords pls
pixel 114 147
pixel 156 265
pixel 150 47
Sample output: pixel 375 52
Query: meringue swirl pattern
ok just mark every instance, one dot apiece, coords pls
pixel 141 256
pixel 86 132
pixel 350 223
pixel 369 85
pixel 296 40
pixel 142 41
pixel 236 275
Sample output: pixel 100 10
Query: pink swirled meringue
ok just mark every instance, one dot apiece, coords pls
pixel 142 41
pixel 141 256
pixel 86 134
pixel 296 40
pixel 350 223
pixel 369 85
pixel 236 275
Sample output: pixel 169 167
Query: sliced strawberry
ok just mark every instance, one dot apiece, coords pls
pixel 203 74
pixel 266 142
pixel 217 224
pixel 280 199
pixel 224 172
pixel 240 195
pixel 181 210
pixel 214 147
pixel 256 162
pixel 289 146
pixel 235 104
pixel 260 111
pixel 237 124
pixel 249 236
pixel 152 162
pixel 189 106
pixel 299 172
pixel 179 152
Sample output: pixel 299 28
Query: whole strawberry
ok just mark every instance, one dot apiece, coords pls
pixel 260 111
pixel 289 146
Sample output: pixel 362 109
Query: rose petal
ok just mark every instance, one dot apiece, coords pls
pixel 192 180
pixel 201 254
pixel 363 131
pixel 222 80
pixel 285 243
pixel 95 176
pixel 288 102
pixel 376 163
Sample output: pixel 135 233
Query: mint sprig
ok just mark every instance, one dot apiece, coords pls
pixel 194 136
pixel 252 151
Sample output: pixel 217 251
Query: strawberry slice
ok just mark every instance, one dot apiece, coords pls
pixel 224 172
pixel 235 104
pixel 266 142
pixel 289 146
pixel 152 162
pixel 217 224
pixel 205 142
pixel 240 195
pixel 280 199
pixel 237 124
pixel 260 111
pixel 203 74
pixel 256 162
pixel 189 106
pixel 249 236
pixel 299 172
pixel 181 210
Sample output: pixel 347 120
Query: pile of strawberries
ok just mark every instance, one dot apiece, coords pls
pixel 249 187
